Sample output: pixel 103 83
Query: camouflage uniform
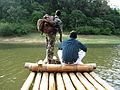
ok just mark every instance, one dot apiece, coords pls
pixel 50 39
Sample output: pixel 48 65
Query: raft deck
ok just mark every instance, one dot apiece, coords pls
pixel 65 81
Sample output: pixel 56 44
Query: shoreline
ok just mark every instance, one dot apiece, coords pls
pixel 38 38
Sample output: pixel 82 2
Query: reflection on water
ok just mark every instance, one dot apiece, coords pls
pixel 113 73
pixel 13 57
pixel 107 58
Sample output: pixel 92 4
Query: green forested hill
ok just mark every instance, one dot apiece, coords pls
pixel 19 17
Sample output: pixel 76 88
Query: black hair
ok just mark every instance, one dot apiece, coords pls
pixel 73 34
pixel 58 12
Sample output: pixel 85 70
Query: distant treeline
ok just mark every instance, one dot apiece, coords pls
pixel 18 17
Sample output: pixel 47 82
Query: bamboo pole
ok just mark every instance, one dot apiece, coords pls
pixel 37 81
pixel 95 84
pixel 101 81
pixel 67 81
pixel 28 81
pixel 59 80
pixel 44 82
pixel 60 68
pixel 51 81
pixel 85 82
pixel 78 85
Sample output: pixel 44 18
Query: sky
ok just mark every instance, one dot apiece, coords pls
pixel 114 3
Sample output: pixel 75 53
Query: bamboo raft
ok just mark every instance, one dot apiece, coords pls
pixel 58 77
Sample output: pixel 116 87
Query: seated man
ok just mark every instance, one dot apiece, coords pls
pixel 72 51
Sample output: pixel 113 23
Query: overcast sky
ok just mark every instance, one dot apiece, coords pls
pixel 115 3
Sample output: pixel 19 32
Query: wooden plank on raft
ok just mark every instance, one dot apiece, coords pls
pixel 85 82
pixel 44 81
pixel 94 82
pixel 28 81
pixel 51 81
pixel 101 81
pixel 59 80
pixel 67 82
pixel 76 82
pixel 37 81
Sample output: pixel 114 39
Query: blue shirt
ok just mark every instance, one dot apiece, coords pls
pixel 70 49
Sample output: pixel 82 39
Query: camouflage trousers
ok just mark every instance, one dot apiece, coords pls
pixel 50 40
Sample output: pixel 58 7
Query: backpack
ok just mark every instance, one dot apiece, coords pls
pixel 46 25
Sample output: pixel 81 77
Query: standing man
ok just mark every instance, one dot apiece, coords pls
pixel 72 51
pixel 50 37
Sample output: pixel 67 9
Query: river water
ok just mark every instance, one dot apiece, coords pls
pixel 13 57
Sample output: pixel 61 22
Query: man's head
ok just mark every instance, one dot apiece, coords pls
pixel 73 34
pixel 58 12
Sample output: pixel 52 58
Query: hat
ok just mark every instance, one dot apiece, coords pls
pixel 73 34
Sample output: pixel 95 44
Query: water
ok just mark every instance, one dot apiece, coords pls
pixel 13 57
pixel 107 58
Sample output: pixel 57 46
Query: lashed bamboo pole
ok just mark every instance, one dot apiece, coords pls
pixel 101 81
pixel 67 81
pixel 44 82
pixel 60 68
pixel 85 82
pixel 28 81
pixel 37 81
pixel 51 81
pixel 76 82
pixel 59 80
pixel 95 84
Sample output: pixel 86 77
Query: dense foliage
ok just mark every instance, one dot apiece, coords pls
pixel 18 17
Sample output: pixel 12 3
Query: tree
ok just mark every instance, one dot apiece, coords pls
pixel 77 18
pixel 97 22
pixel 80 14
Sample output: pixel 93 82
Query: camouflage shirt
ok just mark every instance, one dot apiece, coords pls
pixel 58 24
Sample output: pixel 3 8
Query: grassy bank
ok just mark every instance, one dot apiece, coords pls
pixel 87 39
